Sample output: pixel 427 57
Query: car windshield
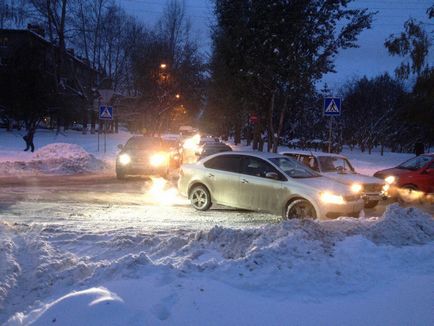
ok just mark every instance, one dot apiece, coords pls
pixel 334 164
pixel 292 168
pixel 415 163
pixel 142 143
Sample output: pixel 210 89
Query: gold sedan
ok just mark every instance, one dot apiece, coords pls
pixel 266 182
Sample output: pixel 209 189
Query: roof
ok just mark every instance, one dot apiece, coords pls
pixel 47 43
pixel 264 155
pixel 315 154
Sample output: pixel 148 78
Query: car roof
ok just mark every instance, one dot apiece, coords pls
pixel 264 155
pixel 315 154
pixel 215 144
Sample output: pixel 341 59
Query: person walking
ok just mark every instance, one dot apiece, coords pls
pixel 28 138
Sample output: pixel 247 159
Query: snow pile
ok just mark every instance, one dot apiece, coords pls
pixel 57 158
pixel 299 260
pixel 91 304
pixel 400 227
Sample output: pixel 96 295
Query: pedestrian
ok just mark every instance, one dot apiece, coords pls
pixel 28 138
pixel 419 149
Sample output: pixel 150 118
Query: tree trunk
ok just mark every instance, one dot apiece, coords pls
pixel 280 127
pixel 92 122
pixel 270 129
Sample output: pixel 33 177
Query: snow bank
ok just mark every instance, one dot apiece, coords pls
pixel 57 158
pixel 295 259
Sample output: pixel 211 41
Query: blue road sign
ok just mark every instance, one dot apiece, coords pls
pixel 105 112
pixel 332 106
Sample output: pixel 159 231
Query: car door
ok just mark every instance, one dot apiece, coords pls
pixel 256 191
pixel 223 179
pixel 425 179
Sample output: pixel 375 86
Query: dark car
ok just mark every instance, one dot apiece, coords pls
pixel 210 148
pixel 144 156
pixel 414 174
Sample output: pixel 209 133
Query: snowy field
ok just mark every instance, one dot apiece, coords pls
pixel 95 257
pixel 85 157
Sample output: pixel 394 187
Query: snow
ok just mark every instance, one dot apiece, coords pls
pixel 69 152
pixel 346 271
pixel 89 263
pixel 56 158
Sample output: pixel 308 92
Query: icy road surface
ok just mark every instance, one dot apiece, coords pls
pixel 101 202
pixel 134 259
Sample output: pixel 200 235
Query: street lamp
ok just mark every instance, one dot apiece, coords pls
pixel 163 66
pixel 178 96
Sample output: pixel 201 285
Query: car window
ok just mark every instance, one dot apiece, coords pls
pixel 294 156
pixel 257 167
pixel 230 163
pixel 334 164
pixel 293 168
pixel 415 163
pixel 138 143
pixel 309 161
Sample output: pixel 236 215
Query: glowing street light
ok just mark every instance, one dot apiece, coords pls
pixel 163 66
pixel 178 96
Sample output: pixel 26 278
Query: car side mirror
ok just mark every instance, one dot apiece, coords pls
pixel 120 146
pixel 428 171
pixel 272 175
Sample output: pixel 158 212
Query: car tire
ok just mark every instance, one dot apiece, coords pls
pixel 299 208
pixel 409 188
pixel 200 198
pixel 371 203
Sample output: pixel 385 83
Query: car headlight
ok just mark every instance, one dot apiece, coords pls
pixel 124 159
pixel 158 159
pixel 330 198
pixel 390 179
pixel 356 188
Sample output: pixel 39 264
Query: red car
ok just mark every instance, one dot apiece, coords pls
pixel 415 174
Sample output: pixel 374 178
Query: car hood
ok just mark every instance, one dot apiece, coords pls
pixel 350 178
pixel 392 171
pixel 322 183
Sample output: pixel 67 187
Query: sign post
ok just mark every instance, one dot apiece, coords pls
pixel 332 107
pixel 105 113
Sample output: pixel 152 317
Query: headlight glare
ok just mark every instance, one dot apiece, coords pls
pixel 390 179
pixel 124 159
pixel 158 159
pixel 330 198
pixel 356 188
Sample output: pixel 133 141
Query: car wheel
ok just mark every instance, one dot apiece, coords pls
pixel 299 208
pixel 200 198
pixel 405 194
pixel 371 203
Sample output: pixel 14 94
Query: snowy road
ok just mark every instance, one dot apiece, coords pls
pixel 157 261
pixel 103 202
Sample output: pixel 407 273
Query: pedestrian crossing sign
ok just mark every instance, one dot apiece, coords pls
pixel 105 112
pixel 332 106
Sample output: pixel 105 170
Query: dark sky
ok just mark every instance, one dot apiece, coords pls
pixel 370 59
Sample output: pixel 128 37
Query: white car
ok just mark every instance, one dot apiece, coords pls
pixel 266 182
pixel 338 168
